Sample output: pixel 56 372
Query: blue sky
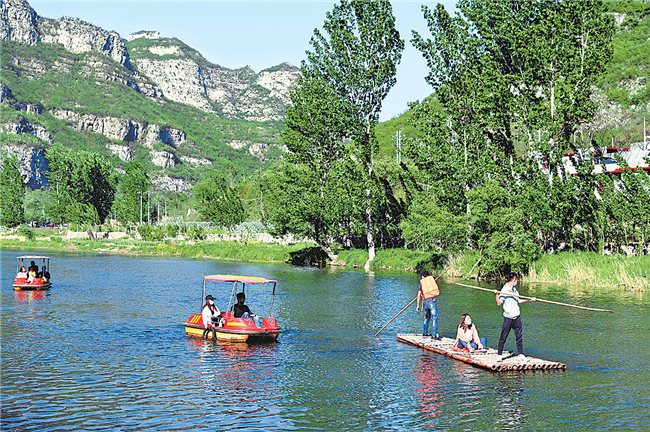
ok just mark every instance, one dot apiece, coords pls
pixel 259 34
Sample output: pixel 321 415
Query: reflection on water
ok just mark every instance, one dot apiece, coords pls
pixel 510 398
pixel 430 391
pixel 105 349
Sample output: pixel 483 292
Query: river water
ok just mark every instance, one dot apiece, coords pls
pixel 104 349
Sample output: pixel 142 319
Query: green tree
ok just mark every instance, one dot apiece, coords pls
pixel 12 193
pixel 133 186
pixel 356 62
pixel 83 185
pixel 512 80
pixel 217 202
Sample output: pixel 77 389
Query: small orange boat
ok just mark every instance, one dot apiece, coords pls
pixel 228 327
pixel 22 281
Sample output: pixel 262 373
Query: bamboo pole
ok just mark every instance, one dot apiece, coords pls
pixel 380 330
pixel 539 300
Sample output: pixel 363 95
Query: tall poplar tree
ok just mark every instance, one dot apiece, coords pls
pixel 133 186
pixel 12 193
pixel 355 61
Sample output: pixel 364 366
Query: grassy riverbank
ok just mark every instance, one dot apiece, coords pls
pixel 590 269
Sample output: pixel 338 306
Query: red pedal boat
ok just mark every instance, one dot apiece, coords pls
pixel 39 281
pixel 228 328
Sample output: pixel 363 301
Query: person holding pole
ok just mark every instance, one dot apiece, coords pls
pixel 508 298
pixel 428 290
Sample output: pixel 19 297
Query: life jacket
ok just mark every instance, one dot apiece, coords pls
pixel 429 287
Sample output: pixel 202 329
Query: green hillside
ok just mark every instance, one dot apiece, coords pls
pixel 77 82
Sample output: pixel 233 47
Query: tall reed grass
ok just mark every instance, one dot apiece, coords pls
pixel 592 269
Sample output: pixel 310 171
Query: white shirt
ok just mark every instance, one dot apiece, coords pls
pixel 208 314
pixel 509 303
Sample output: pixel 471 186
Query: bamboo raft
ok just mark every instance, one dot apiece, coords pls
pixel 482 358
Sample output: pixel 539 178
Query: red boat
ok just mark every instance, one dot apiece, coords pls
pixel 36 281
pixel 228 328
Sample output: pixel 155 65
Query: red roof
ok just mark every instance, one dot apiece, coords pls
pixel 242 279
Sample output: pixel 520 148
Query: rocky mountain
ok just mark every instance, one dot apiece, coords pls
pixel 157 100
pixel 185 76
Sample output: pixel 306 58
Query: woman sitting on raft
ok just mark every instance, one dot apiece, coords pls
pixel 467 335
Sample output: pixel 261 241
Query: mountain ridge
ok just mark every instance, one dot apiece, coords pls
pixel 68 82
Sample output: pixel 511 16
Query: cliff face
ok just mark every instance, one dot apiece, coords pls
pixel 20 23
pixel 185 76
pixel 149 98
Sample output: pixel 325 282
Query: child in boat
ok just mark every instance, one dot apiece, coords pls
pixel 467 335
pixel 31 275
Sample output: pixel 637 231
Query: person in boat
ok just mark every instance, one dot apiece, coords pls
pixel 428 291
pixel 211 315
pixel 22 273
pixel 34 267
pixel 509 299
pixel 46 274
pixel 467 335
pixel 31 274
pixel 243 311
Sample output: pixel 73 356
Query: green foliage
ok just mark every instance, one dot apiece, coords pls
pixel 36 203
pixel 330 128
pixel 502 71
pixel 12 193
pixel 217 202
pixel 430 226
pixel 29 234
pixel 83 185
pixel 151 233
pixel 133 185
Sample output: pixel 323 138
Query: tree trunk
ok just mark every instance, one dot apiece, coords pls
pixel 370 223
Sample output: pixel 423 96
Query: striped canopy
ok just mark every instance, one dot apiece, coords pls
pixel 242 279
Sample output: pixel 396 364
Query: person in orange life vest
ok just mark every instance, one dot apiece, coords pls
pixel 428 291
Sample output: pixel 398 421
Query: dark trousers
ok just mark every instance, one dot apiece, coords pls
pixel 515 324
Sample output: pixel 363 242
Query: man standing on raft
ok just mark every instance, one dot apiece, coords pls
pixel 511 316
pixel 428 291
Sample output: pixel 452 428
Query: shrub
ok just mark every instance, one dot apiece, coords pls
pixel 28 233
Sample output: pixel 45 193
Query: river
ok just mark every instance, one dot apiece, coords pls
pixel 104 349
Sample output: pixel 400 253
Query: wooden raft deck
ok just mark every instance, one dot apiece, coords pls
pixel 486 358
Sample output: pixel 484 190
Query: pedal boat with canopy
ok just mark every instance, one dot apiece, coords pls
pixel 228 327
pixel 37 283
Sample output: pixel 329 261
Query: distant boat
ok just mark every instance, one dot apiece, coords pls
pixel 226 326
pixel 23 281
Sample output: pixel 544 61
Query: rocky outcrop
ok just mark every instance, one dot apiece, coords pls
pixel 22 126
pixel 185 76
pixel 79 36
pixel 164 134
pixel 168 184
pixel 163 159
pixel 125 153
pixel 195 161
pixel 111 127
pixel 32 164
pixel 20 23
